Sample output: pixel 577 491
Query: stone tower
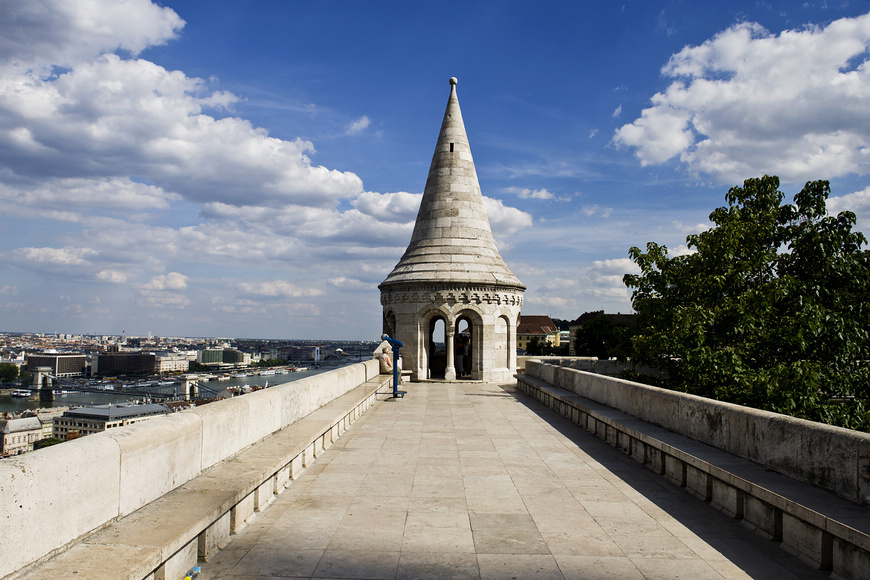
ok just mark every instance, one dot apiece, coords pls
pixel 452 274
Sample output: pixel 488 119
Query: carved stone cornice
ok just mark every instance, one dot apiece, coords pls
pixel 452 294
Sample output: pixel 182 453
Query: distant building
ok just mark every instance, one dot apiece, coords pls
pixel 125 362
pixel 87 420
pixel 537 326
pixel 618 319
pixel 62 365
pixel 19 435
pixel 223 356
pixel 171 363
pixel 47 417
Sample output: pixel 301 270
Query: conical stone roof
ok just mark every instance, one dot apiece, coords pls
pixel 452 240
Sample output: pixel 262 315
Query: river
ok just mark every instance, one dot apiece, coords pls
pixel 16 404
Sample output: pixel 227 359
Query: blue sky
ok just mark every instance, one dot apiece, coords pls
pixel 253 169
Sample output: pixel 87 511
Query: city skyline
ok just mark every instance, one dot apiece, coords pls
pixel 254 169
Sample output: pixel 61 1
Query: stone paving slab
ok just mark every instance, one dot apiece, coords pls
pixel 476 480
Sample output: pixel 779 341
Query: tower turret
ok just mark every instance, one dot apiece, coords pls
pixel 452 271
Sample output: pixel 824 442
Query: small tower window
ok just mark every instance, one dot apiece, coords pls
pixel 451 147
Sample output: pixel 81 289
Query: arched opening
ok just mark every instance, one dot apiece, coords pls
pixel 390 324
pixel 435 348
pixel 462 347
pixel 502 339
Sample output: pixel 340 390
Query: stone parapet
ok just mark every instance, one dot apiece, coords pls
pixel 58 497
pixel 830 457
pixel 701 444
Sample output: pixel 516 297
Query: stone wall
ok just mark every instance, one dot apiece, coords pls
pixel 51 498
pixel 832 458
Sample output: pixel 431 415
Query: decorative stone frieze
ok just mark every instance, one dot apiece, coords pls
pixel 463 295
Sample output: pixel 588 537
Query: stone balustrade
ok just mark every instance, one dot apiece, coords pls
pixel 800 483
pixel 147 500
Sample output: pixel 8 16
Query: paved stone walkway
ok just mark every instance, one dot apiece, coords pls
pixel 476 480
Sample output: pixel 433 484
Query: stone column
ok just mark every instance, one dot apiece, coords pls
pixel 450 371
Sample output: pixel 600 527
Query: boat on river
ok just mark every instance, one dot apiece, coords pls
pixel 21 393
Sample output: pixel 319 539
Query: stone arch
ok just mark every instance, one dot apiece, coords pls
pixel 502 341
pixel 433 360
pixel 389 324
pixel 474 319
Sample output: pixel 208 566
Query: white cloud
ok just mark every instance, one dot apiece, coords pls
pixel 277 288
pixel 748 102
pixel 170 281
pixel 857 202
pixel 119 194
pixel 591 210
pixel 111 276
pixel 8 290
pixel 526 193
pixel 37 34
pixel 691 228
pixel 111 118
pixel 358 126
pixel 351 284
pixel 66 256
pixel 389 207
pixel 505 221
pixel 151 299
pixel 617 112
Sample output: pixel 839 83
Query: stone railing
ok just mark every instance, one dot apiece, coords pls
pixel 800 483
pixel 56 498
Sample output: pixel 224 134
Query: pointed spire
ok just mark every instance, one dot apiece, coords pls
pixel 452 239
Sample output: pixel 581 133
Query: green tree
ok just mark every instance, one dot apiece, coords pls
pixel 272 362
pixel 603 337
pixel 535 347
pixel 770 311
pixel 8 372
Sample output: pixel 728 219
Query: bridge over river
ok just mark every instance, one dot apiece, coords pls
pixel 478 480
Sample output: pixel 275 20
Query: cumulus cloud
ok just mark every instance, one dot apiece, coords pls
pixel 150 299
pixel 504 220
pixel 691 228
pixel 351 284
pixel 39 34
pixel 591 210
pixel 277 288
pixel 170 281
pixel 400 207
pixel 857 202
pixel 526 193
pixel 111 276
pixel 66 256
pixel 358 126
pixel 120 194
pixel 605 276
pixel 749 102
pixel 110 118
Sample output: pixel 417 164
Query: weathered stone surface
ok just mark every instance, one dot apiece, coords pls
pixel 830 457
pixel 156 457
pixel 53 496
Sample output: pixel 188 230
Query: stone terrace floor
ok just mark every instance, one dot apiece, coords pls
pixel 476 480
